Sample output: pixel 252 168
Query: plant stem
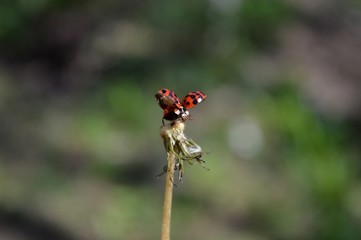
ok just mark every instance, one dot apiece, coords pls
pixel 168 194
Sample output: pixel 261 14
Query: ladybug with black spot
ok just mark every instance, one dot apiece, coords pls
pixel 173 108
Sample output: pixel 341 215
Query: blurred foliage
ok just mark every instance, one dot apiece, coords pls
pixel 79 125
pixel 262 18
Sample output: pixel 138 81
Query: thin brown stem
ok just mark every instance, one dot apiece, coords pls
pixel 168 194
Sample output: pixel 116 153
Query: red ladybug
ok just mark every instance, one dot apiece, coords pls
pixel 173 108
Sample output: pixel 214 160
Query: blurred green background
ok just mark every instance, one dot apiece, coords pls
pixel 79 124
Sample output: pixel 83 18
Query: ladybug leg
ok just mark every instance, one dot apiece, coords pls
pixel 165 168
pixel 202 163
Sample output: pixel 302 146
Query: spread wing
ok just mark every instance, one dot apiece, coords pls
pixel 193 98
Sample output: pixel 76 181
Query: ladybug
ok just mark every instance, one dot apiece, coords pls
pixel 173 108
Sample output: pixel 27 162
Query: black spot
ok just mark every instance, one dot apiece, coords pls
pixel 193 96
pixel 164 91
pixel 176 101
pixel 195 101
pixel 188 103
pixel 170 95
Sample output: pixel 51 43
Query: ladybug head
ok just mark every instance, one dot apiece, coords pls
pixel 184 115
